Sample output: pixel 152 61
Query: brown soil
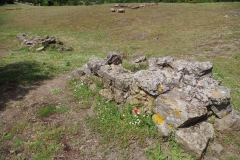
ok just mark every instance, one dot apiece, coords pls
pixel 4 52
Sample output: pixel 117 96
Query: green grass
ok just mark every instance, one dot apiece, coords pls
pixel 45 111
pixel 8 136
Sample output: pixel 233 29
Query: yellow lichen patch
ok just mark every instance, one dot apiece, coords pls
pixel 216 94
pixel 157 118
pixel 224 113
pixel 160 88
pixel 177 88
pixel 176 111
pixel 170 127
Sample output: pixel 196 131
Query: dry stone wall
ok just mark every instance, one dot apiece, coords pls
pixel 180 95
pixel 38 43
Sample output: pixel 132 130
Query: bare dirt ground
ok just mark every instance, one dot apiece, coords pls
pixel 20 104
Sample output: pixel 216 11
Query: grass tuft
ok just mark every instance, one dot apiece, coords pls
pixel 45 111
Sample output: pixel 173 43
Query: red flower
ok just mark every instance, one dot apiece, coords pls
pixel 135 111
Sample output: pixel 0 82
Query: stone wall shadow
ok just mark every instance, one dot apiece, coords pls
pixel 17 79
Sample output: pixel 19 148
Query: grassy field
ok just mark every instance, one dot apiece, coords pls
pixel 198 32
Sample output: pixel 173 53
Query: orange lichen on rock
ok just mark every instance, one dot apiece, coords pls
pixel 170 126
pixel 160 88
pixel 176 111
pixel 157 118
pixel 224 114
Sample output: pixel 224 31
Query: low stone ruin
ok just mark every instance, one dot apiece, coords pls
pixel 180 95
pixel 38 43
pixel 123 6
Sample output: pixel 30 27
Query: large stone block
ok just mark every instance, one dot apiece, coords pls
pixel 177 112
pixel 121 78
pixel 195 139
pixel 156 82
pixel 230 122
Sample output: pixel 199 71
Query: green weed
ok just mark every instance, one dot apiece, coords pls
pixel 8 136
pixel 62 109
pixel 56 90
pixel 120 126
pixel 156 153
pixel 82 93
pixel 45 111
pixel 18 143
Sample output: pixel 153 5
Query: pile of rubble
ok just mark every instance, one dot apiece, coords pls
pixel 38 43
pixel 123 6
pixel 180 95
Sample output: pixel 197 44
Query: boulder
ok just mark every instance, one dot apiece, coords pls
pixel 112 10
pixel 177 112
pixel 107 94
pixel 114 58
pixel 221 101
pixel 40 48
pixel 230 122
pixel 121 10
pixel 139 59
pixel 120 77
pixel 119 96
pixel 160 62
pixel 216 147
pixel 135 7
pixel 95 65
pixel 84 70
pixel 157 81
pixel 195 139
pixel 198 69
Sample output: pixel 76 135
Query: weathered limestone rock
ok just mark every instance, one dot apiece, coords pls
pixel 139 59
pixel 160 62
pixel 121 10
pixel 163 128
pixel 119 76
pixel 135 7
pixel 177 112
pixel 221 101
pixel 195 138
pixel 199 69
pixel 84 70
pixel 95 65
pixel 112 10
pixel 230 122
pixel 40 48
pixel 217 147
pixel 114 58
pixel 118 96
pixel 157 81
pixel 107 94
